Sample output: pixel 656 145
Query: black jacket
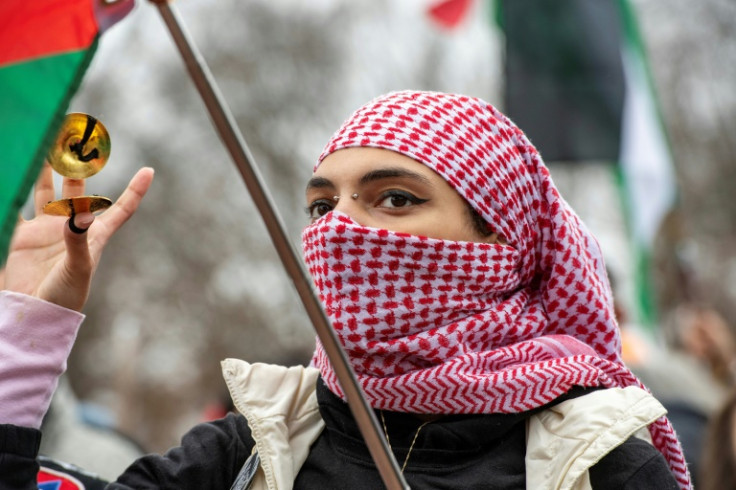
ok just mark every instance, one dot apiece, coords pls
pixel 460 451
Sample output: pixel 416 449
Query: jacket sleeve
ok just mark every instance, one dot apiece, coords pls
pixel 18 450
pixel 37 337
pixel 210 456
pixel 634 465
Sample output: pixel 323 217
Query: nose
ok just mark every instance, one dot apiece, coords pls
pixel 351 205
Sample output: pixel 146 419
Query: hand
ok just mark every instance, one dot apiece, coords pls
pixel 49 261
pixel 709 338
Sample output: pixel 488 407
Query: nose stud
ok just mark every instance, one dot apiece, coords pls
pixel 337 198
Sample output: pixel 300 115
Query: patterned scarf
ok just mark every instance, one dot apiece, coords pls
pixel 435 326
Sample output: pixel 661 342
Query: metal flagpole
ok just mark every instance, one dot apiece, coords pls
pixel 236 146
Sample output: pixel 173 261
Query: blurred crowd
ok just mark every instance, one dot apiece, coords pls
pixel 690 366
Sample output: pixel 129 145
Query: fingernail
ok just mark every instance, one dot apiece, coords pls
pixel 80 224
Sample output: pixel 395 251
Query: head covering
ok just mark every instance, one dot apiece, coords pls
pixel 437 326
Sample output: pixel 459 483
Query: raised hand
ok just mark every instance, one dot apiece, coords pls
pixel 49 260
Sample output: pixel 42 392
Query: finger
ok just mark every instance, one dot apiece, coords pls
pixel 78 266
pixel 72 188
pixel 128 202
pixel 77 248
pixel 44 190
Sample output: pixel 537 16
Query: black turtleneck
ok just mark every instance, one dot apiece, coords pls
pixel 458 451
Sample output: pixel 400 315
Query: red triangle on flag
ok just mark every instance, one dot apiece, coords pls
pixel 449 13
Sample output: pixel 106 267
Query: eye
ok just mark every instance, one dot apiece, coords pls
pixel 319 208
pixel 395 199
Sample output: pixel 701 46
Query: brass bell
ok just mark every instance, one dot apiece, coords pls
pixel 80 150
pixel 76 205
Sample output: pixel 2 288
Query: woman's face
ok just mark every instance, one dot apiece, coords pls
pixel 394 192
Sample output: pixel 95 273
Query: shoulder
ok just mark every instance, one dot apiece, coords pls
pixel 220 432
pixel 260 391
pixel 608 416
pixel 568 438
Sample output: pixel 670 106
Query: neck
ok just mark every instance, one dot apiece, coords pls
pixel 428 417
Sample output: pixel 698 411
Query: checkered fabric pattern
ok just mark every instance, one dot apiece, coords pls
pixel 435 326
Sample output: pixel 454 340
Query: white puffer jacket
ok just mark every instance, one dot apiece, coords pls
pixel 563 442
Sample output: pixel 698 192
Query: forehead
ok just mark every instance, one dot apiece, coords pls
pixel 354 163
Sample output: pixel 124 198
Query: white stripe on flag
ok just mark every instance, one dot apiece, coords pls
pixel 645 156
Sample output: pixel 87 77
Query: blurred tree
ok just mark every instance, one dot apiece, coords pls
pixel 193 278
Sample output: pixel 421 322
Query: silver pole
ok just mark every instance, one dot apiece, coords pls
pixel 236 146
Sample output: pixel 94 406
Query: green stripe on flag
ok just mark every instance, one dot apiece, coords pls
pixel 34 97
pixel 578 83
pixel 645 305
pixel 646 178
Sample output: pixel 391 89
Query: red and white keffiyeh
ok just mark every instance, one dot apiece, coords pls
pixel 435 326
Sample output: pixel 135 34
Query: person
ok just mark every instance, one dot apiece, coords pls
pixel 704 333
pixel 45 282
pixel 719 448
pixel 472 304
pixel 676 374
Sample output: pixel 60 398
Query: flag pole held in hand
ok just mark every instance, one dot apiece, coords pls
pixel 239 152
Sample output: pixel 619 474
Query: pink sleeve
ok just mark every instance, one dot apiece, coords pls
pixel 36 337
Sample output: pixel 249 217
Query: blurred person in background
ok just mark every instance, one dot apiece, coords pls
pixel 679 376
pixel 706 335
pixel 471 301
pixel 718 470
pixel 684 364
pixel 704 413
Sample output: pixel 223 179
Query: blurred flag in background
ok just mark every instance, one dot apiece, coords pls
pixel 45 48
pixel 577 82
pixel 565 81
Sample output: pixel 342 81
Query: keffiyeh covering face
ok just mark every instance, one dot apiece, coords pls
pixel 435 326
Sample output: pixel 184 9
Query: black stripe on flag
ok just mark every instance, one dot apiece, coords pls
pixel 564 76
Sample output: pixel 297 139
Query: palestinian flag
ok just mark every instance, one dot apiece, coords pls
pixel 449 13
pixel 578 84
pixel 45 48
pixel 646 170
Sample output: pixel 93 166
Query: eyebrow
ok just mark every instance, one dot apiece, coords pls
pixel 319 183
pixel 372 176
pixel 391 173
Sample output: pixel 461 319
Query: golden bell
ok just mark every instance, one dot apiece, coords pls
pixel 80 150
pixel 82 147
pixel 75 205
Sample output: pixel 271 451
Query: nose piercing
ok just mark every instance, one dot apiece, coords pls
pixel 337 198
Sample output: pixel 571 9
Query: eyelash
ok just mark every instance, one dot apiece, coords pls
pixel 319 202
pixel 310 210
pixel 402 194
